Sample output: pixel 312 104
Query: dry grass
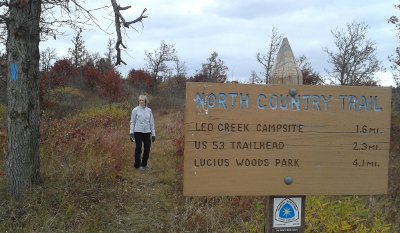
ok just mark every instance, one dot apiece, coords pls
pixel 89 184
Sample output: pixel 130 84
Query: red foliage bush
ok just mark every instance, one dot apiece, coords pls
pixel 92 76
pixel 62 73
pixel 110 86
pixel 141 80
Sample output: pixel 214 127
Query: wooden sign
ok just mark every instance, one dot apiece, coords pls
pixel 286 140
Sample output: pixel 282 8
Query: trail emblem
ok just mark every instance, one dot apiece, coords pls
pixel 287 212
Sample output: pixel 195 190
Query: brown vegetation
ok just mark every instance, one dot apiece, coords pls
pixel 90 185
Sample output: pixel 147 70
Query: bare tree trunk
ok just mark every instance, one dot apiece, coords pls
pixel 23 119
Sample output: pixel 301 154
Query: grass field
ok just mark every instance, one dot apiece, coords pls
pixel 90 185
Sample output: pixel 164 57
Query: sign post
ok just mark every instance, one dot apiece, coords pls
pixel 252 139
pixel 256 140
pixel 285 217
pixel 285 141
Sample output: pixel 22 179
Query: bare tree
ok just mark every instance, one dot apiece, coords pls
pixel 179 67
pixel 3 78
pixel 110 52
pixel 24 24
pixel 354 63
pixel 23 161
pixel 254 78
pixel 157 62
pixel 267 60
pixel 47 56
pixel 214 70
pixel 120 20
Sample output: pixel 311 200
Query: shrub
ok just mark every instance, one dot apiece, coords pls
pixel 86 146
pixel 141 80
pixel 113 112
pixel 65 95
pixel 92 76
pixel 174 129
pixel 341 214
pixel 110 86
pixel 172 92
pixel 64 101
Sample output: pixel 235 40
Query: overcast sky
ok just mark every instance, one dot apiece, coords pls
pixel 237 30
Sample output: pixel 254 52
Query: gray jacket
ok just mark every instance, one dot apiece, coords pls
pixel 142 121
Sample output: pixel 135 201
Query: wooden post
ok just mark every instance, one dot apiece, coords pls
pixel 285 72
pixel 267 214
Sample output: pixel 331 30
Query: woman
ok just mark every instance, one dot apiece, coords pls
pixel 142 131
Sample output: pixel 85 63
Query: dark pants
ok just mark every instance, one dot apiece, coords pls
pixel 142 138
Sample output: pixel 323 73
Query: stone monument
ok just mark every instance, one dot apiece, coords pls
pixel 285 70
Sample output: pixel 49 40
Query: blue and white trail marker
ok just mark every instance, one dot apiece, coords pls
pixel 287 212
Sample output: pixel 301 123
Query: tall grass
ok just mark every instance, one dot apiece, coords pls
pixel 89 185
pixel 83 166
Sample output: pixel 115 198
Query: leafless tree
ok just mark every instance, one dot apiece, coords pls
pixel 3 78
pixel 23 36
pixel 354 62
pixel 47 56
pixel 254 78
pixel 25 23
pixel 110 52
pixel 157 62
pixel 120 21
pixel 179 67
pixel 267 60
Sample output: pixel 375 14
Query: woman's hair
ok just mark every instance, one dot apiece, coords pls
pixel 146 101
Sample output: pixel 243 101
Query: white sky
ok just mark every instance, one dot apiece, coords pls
pixel 238 29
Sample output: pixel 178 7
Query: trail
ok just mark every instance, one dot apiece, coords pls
pixel 153 193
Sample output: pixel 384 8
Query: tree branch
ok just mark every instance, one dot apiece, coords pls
pixel 118 20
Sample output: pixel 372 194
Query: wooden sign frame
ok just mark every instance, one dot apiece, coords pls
pixel 243 139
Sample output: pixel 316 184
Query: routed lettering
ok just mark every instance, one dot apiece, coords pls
pixel 287 163
pixel 211 162
pixel 285 128
pixel 252 162
pixel 258 145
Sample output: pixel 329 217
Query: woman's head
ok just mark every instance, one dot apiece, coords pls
pixel 143 100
